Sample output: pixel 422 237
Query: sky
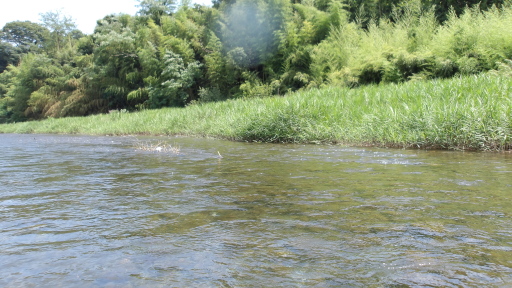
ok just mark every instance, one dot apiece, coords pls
pixel 83 13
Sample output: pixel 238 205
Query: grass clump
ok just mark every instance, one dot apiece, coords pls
pixel 465 113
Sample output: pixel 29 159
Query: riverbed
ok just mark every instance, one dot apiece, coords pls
pixel 89 211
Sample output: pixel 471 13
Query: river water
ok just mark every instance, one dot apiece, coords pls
pixel 82 211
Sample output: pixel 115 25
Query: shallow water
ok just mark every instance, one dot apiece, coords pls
pixel 81 211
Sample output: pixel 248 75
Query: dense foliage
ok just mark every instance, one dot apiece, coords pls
pixel 463 113
pixel 175 55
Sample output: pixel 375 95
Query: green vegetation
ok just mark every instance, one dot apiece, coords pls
pixel 171 54
pixel 357 72
pixel 468 113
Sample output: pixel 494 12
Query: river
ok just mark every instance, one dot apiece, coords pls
pixel 84 211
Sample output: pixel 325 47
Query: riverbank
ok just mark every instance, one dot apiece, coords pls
pixel 469 113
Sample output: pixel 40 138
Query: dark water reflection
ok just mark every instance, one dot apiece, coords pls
pixel 96 212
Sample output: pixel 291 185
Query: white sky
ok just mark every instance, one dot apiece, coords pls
pixel 84 13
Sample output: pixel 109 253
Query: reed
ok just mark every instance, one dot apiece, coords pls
pixel 466 113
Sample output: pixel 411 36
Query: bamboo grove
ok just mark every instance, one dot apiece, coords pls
pixel 175 54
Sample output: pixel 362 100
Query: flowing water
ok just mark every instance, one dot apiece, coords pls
pixel 81 211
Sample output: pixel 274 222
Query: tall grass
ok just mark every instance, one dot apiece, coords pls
pixel 467 113
pixel 415 46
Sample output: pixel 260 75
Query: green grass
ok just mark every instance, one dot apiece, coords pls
pixel 470 113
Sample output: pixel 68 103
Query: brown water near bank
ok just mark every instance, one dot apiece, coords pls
pixel 97 211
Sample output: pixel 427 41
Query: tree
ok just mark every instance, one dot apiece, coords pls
pixel 249 30
pixel 173 88
pixel 62 29
pixel 28 77
pixel 216 71
pixel 8 55
pixel 116 64
pixel 113 22
pixel 443 7
pixel 6 80
pixel 18 38
pixel 24 34
pixel 156 8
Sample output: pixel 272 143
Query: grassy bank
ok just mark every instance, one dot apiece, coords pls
pixel 470 113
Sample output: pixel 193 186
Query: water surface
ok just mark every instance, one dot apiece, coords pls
pixel 82 211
